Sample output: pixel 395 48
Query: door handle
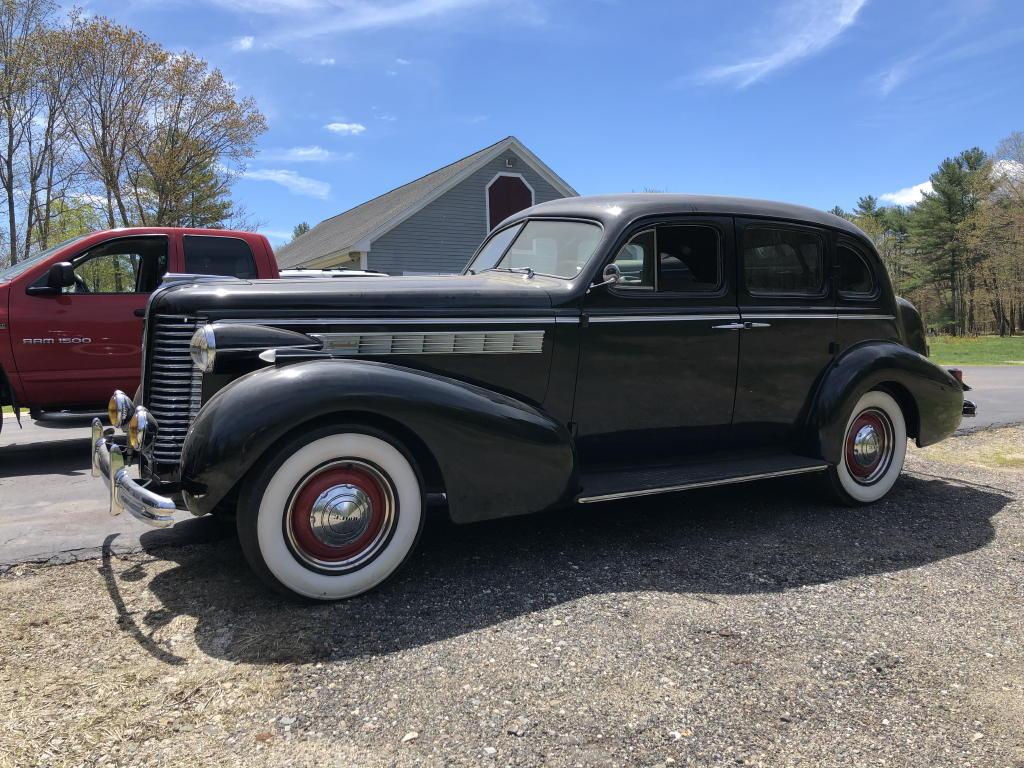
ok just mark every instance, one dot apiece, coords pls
pixel 140 312
pixel 741 326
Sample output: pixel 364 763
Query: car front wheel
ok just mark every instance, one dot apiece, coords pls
pixel 873 450
pixel 331 515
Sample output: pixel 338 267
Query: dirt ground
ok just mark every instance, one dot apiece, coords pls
pixel 756 625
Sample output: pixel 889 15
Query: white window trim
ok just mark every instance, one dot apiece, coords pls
pixel 487 196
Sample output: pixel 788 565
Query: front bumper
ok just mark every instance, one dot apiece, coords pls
pixel 126 493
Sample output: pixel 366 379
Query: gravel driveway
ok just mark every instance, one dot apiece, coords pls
pixel 749 626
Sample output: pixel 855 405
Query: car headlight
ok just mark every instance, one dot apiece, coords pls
pixel 120 409
pixel 142 430
pixel 203 348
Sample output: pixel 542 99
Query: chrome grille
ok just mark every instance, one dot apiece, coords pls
pixel 175 384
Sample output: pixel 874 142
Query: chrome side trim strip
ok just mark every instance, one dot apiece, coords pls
pixel 816 316
pixel 432 343
pixel 701 484
pixel 395 320
pixel 656 318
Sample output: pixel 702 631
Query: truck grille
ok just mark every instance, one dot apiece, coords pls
pixel 175 384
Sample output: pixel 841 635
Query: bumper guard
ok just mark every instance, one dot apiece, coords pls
pixel 126 493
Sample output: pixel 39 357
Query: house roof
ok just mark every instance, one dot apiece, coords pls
pixel 356 228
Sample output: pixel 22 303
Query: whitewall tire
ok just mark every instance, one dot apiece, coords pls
pixel 331 515
pixel 873 450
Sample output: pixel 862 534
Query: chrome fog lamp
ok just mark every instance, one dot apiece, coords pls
pixel 203 348
pixel 142 430
pixel 120 409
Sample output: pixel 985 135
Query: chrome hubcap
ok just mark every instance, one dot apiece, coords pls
pixel 867 444
pixel 870 446
pixel 340 515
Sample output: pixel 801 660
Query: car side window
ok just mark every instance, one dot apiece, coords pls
pixel 211 255
pixel 636 263
pixel 783 261
pixel 129 265
pixel 855 276
pixel 672 259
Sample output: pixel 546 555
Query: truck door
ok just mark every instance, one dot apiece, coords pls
pixel 75 348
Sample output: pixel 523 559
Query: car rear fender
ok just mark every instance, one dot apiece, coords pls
pixel 931 399
pixel 497 456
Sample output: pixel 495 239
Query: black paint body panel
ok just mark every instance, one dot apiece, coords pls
pixel 498 456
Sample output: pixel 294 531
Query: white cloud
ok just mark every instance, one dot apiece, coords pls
pixel 276 236
pixel 243 43
pixel 333 17
pixel 328 62
pixel 310 154
pixel 402 62
pixel 346 129
pixel 293 182
pixel 801 28
pixel 907 195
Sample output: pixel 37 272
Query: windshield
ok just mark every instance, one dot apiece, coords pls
pixel 11 272
pixel 554 248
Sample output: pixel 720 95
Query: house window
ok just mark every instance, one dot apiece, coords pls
pixel 507 193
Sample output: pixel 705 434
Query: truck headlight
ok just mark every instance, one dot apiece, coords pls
pixel 119 409
pixel 203 348
pixel 142 430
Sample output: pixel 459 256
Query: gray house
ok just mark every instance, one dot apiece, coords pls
pixel 435 223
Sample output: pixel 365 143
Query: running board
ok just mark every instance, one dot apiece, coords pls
pixel 625 484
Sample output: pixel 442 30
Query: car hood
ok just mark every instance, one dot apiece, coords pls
pixel 335 297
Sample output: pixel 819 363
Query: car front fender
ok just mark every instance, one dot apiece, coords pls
pixel 497 456
pixel 930 397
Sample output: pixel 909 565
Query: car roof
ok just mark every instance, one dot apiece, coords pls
pixel 613 209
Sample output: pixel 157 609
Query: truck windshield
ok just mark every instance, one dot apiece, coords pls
pixel 553 248
pixel 12 271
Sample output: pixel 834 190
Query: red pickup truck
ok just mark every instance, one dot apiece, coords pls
pixel 71 317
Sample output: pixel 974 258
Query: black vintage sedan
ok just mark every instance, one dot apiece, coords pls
pixel 594 348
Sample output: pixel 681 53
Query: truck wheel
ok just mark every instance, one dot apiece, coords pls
pixel 874 447
pixel 331 514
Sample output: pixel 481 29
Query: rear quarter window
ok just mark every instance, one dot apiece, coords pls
pixel 213 255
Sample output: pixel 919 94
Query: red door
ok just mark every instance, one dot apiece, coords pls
pixel 77 347
pixel 506 194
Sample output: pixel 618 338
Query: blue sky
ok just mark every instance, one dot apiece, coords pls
pixel 808 102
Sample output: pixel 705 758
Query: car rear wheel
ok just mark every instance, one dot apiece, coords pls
pixel 331 515
pixel 873 450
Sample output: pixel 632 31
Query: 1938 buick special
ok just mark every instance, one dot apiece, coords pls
pixel 594 349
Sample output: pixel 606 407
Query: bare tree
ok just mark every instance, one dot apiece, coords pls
pixel 118 78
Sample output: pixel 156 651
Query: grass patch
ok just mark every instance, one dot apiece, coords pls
pixel 977 350
pixel 7 409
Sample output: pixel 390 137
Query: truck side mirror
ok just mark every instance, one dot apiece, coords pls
pixel 60 276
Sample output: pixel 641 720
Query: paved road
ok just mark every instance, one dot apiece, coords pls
pixel 49 501
pixel 50 504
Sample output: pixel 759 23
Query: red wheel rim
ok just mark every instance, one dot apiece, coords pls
pixel 340 516
pixel 869 446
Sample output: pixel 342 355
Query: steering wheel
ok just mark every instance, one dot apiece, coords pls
pixel 80 286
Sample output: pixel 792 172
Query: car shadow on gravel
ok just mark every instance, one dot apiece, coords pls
pixel 759 538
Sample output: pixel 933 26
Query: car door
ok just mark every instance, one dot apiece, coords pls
pixel 77 347
pixel 657 371
pixel 788 340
